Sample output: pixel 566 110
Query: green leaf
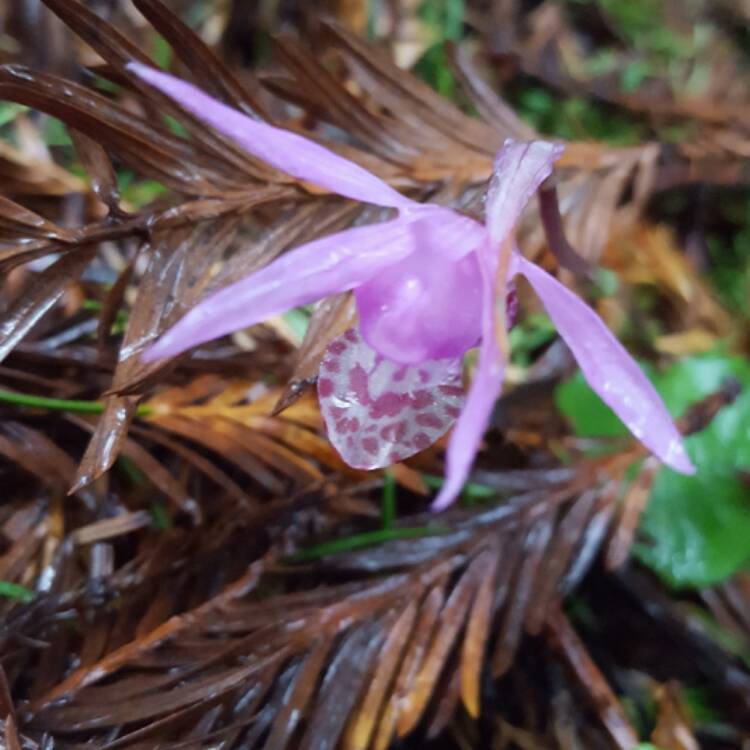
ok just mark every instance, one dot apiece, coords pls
pixel 298 319
pixel 55 132
pixel 697 528
pixel 160 519
pixel 446 18
pixel 606 283
pixel 692 379
pixel 139 192
pixel 634 74
pixel 528 335
pixel 432 67
pixel 729 253
pixel 134 475
pixel 161 51
pixel 175 127
pixel 697 701
pixel 16 591
pixel 9 111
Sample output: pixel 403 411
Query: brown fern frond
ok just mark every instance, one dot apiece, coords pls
pixel 362 658
pixel 399 637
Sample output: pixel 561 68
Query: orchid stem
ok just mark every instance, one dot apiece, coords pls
pixel 388 504
pixel 366 539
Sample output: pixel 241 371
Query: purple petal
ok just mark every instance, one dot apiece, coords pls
pixel 608 368
pixel 488 377
pixel 282 149
pixel 326 266
pixel 520 168
pixel 377 412
pixel 427 306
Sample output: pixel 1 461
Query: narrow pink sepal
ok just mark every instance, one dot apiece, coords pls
pixel 485 388
pixel 378 412
pixel 286 151
pixel 519 169
pixel 611 372
pixel 326 266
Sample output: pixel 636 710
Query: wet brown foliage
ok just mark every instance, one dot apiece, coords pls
pixel 179 600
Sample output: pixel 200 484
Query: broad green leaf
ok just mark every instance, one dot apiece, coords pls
pixel 694 378
pixel 9 111
pixel 697 529
pixel 55 132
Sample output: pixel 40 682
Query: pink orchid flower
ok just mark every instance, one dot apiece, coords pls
pixel 429 285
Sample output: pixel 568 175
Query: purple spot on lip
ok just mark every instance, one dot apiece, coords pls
pixel 388 405
pixel 422 399
pixel 370 444
pixel 336 412
pixel 429 420
pixel 325 387
pixel 422 441
pixel 394 432
pixel 358 382
pixel 347 425
pixel 332 365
